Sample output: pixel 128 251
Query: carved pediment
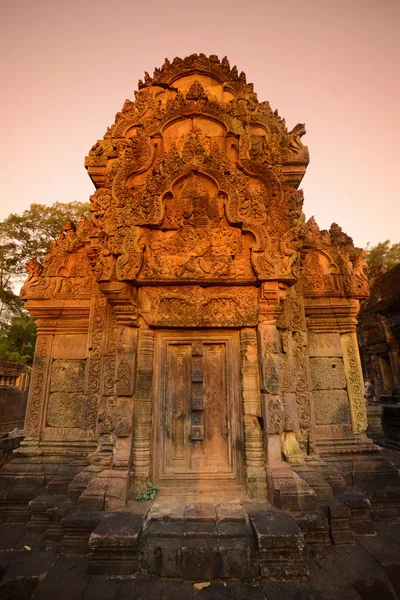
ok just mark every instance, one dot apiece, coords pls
pixel 197 181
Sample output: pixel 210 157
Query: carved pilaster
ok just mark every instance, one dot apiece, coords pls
pixel 284 372
pixel 120 407
pixel 38 387
pixel 143 409
pixel 94 363
pixel 355 382
pixel 253 441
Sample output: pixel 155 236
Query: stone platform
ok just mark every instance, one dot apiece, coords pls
pixel 180 541
pixel 31 568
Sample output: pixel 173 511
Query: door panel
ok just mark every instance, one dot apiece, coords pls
pixel 196 416
pixel 177 395
pixel 216 426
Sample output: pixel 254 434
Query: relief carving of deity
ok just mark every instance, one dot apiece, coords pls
pixel 195 240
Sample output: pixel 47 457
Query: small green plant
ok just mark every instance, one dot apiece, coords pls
pixel 149 494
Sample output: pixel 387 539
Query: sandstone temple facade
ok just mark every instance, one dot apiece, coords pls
pixel 196 331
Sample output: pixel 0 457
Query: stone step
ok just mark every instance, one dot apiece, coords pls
pixel 280 543
pixel 211 490
pixel 196 541
pixel 115 545
pixel 198 550
pixel 196 530
pixel 193 541
pixel 78 527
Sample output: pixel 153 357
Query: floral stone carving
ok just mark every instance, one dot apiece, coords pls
pixel 195 283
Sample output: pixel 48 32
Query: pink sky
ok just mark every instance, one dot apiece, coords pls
pixel 67 68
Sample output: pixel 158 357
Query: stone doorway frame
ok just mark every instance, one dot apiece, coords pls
pixel 188 336
pixel 250 403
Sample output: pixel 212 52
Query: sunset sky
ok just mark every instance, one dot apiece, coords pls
pixel 67 67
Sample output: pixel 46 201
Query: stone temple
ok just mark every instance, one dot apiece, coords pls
pixel 196 332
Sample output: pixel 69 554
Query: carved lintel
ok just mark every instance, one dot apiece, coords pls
pixel 330 315
pixel 57 316
pixel 194 306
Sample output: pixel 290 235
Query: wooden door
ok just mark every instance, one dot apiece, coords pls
pixel 197 428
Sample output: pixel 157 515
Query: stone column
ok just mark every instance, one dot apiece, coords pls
pixel 253 439
pixel 143 410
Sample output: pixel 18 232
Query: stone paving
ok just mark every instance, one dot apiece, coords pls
pixel 369 569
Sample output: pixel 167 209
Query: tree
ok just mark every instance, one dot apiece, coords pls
pixel 17 339
pixel 30 234
pixel 384 255
pixel 23 237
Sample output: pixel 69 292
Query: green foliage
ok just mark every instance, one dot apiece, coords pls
pixel 149 494
pixel 23 237
pixel 17 339
pixel 29 235
pixel 384 254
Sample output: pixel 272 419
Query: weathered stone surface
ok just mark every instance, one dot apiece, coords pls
pixel 200 559
pixel 288 491
pixel 99 588
pixel 162 512
pixel 204 511
pixel 271 374
pixel 231 513
pixel 331 406
pixel 315 528
pixel 232 530
pixel 117 531
pixel 70 346
pixel 339 517
pixel 324 344
pixel 361 519
pixel 65 580
pixel 64 410
pixel 77 529
pixel 200 529
pixel 114 545
pixel 276 531
pixel 67 375
pixel 280 544
pixel 327 374
pixel 273 412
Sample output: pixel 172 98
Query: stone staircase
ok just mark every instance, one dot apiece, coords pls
pixel 199 541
